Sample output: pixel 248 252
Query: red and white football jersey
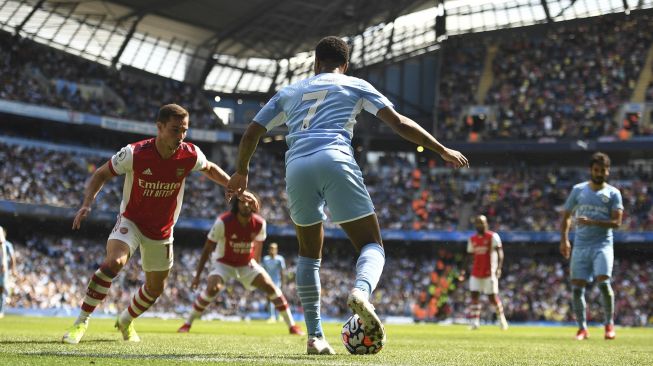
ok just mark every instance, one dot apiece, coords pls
pixel 235 242
pixel 154 187
pixel 486 259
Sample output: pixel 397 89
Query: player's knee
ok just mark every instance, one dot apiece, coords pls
pixel 603 279
pixel 155 289
pixel 214 290
pixel 114 264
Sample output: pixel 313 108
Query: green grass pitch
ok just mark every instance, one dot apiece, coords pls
pixel 36 341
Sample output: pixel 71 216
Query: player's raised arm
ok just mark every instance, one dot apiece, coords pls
pixel 238 182
pixel 413 132
pixel 209 247
pixel 93 186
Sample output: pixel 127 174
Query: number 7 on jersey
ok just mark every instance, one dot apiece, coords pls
pixel 318 96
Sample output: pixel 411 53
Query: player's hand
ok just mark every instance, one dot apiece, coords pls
pixel 249 197
pixel 195 284
pixel 565 248
pixel 236 186
pixel 81 215
pixel 456 157
pixel 498 273
pixel 583 220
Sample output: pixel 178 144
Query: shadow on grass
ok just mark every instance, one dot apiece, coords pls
pixel 214 357
pixel 56 341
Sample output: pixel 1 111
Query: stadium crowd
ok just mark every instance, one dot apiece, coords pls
pixel 41 75
pixel 406 196
pixel 568 80
pixel 54 273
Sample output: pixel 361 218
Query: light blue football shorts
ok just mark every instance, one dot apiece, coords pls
pixel 589 262
pixel 329 177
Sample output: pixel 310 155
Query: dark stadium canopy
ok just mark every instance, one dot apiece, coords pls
pixel 257 46
pixel 272 29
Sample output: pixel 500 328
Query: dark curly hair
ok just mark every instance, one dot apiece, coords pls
pixel 332 50
pixel 601 159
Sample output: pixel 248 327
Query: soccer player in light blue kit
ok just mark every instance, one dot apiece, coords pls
pixel 597 209
pixel 320 113
pixel 7 259
pixel 275 265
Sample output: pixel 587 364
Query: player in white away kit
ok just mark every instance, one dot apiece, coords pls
pixel 320 113
pixel 155 171
pixel 487 250
pixel 236 239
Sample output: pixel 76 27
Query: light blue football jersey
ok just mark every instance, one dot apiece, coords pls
pixel 599 205
pixel 320 112
pixel 274 266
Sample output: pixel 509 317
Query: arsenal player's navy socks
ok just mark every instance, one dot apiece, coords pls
pixel 308 289
pixel 369 267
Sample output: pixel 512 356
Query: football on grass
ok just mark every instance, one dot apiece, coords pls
pixel 355 340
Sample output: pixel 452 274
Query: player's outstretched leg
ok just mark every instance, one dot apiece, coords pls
pixel 203 300
pixel 579 306
pixel 368 272
pixel 97 290
pixel 141 301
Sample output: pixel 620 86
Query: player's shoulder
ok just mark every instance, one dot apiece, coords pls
pixel 188 149
pixel 258 218
pixel 612 189
pixel 581 186
pixel 226 217
pixel 142 146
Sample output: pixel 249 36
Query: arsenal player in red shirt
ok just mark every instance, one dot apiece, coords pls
pixel 155 171
pixel 235 240
pixel 486 248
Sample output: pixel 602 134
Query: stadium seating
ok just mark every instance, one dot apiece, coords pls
pixel 55 272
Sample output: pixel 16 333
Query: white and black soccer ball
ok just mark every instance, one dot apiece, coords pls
pixel 354 338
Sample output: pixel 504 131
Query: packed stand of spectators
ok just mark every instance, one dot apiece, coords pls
pixel 54 272
pixel 460 75
pixel 37 74
pixel 567 81
pixel 570 81
pixel 406 196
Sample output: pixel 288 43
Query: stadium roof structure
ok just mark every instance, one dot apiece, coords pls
pixel 256 46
